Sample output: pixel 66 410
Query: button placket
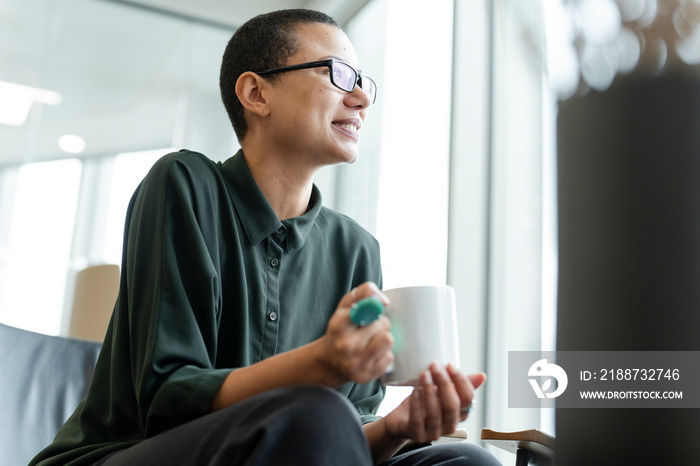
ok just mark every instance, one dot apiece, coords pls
pixel 273 314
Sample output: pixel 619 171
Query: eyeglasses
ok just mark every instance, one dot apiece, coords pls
pixel 343 76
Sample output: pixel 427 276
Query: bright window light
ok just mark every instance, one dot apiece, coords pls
pixel 34 273
pixel 129 170
pixel 412 203
pixel 17 100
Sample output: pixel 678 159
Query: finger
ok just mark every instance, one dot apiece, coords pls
pixel 466 386
pixel 363 291
pixel 449 399
pixel 368 350
pixel 341 316
pixel 376 336
pixel 379 352
pixel 416 420
pixel 433 408
pixel 366 317
pixel 477 379
pixel 382 363
pixel 463 384
pixel 379 335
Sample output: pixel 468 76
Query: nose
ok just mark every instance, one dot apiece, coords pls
pixel 358 99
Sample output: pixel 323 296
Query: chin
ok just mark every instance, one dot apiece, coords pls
pixel 353 158
pixel 351 155
pixel 348 157
pixel 343 161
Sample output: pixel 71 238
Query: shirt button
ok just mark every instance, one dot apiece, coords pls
pixel 273 316
pixel 280 230
pixel 274 262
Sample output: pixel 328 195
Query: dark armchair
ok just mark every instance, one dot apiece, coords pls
pixel 43 380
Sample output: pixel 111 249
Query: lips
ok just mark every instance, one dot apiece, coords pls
pixel 350 126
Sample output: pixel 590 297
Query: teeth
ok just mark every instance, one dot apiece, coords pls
pixel 350 127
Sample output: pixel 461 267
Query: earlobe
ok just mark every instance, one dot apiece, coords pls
pixel 251 92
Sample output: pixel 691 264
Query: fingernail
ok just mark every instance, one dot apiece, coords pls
pixel 438 368
pixel 418 393
pixel 384 298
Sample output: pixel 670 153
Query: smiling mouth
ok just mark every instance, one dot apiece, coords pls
pixel 351 129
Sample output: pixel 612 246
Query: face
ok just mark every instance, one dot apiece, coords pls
pixel 310 116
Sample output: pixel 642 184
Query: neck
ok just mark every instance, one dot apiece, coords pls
pixel 283 180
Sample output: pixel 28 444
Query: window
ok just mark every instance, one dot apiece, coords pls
pixel 462 156
pixel 128 171
pixel 408 152
pixel 399 188
pixel 37 254
pixel 122 93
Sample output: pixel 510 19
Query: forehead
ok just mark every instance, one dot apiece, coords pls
pixel 318 41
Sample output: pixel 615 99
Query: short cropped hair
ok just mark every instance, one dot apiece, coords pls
pixel 263 42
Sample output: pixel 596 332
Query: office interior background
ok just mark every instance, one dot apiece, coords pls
pixel 456 177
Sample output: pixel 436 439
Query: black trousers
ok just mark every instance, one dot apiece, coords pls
pixel 289 426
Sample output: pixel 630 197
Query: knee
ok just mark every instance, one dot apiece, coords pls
pixel 317 396
pixel 314 425
pixel 477 455
pixel 463 453
pixel 321 407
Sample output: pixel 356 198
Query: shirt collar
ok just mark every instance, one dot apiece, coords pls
pixel 257 216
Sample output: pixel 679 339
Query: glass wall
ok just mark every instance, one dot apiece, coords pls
pixel 466 175
pixel 37 248
pixel 407 136
pixel 125 85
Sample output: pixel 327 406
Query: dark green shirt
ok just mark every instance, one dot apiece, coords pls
pixel 211 281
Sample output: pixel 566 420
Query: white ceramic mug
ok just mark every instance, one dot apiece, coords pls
pixel 424 325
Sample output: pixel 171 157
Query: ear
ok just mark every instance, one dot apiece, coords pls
pixel 251 90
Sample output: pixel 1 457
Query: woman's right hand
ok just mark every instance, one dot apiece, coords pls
pixel 355 353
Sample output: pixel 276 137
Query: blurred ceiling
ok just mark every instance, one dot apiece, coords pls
pixel 131 74
pixel 235 12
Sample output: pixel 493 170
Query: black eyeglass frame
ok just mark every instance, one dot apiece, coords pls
pixel 328 63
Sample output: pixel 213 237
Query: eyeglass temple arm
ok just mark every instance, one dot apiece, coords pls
pixel 301 66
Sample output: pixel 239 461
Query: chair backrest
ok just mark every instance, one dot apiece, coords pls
pixel 43 378
pixel 96 289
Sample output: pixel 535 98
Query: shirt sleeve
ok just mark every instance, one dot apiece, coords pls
pixel 173 293
pixel 366 398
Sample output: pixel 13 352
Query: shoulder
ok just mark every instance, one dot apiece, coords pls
pixel 184 161
pixel 184 171
pixel 184 177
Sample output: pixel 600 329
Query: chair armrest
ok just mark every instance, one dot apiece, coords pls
pixel 538 445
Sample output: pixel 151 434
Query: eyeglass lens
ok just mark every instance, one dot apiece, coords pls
pixel 345 77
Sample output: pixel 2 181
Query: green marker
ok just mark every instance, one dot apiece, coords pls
pixel 366 311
